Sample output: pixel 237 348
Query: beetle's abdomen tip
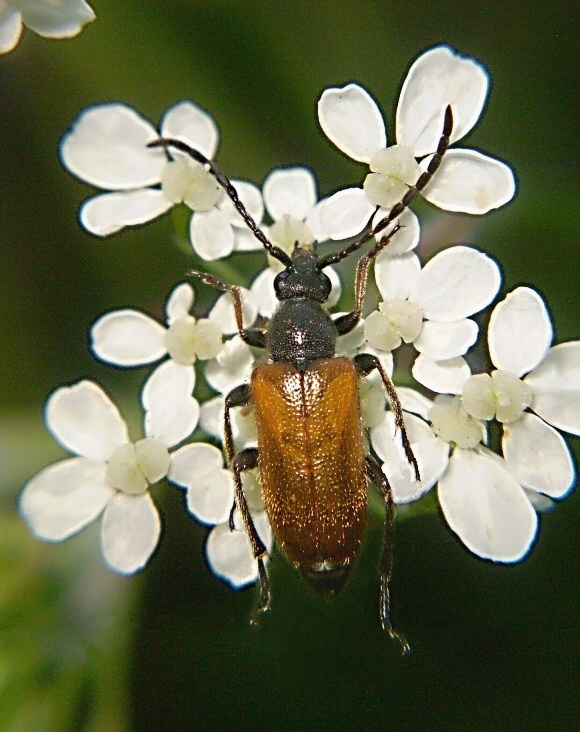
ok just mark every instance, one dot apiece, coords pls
pixel 326 578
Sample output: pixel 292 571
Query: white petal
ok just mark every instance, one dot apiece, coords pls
pixel 439 77
pixel 470 182
pixel 129 532
pixel 223 311
pixel 538 456
pixel 199 468
pixel 107 147
pixel 442 341
pixel 63 19
pixel 179 302
pixel 211 419
pixel 396 276
pixel 413 401
pixel 520 331
pixel 456 283
pixel 172 417
pixel 250 196
pixel 231 368
pixel 486 507
pixel 351 120
pixel 314 223
pixel 431 452
pixel 346 213
pixel 211 234
pixel 105 214
pixel 190 123
pixel 263 291
pixel 444 377
pixel 556 387
pixel 336 291
pixel 63 498
pixel 128 338
pixel 406 238
pixel 169 376
pixel 85 421
pixel 10 28
pixel 291 192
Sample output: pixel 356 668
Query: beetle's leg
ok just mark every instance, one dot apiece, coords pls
pixel 245 460
pixel 378 478
pixel 349 321
pixel 365 363
pixel 252 336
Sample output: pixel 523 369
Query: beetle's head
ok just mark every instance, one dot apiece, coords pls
pixel 303 278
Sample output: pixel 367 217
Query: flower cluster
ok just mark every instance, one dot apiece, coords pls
pixel 491 443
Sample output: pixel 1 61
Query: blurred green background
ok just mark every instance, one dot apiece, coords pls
pixel 494 647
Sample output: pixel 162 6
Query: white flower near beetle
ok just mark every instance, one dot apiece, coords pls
pixel 467 181
pixel 110 476
pixel 429 306
pixel 129 337
pixel 481 500
pixel 107 148
pixel 533 393
pixel 61 19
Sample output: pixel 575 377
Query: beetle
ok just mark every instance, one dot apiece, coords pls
pixel 310 453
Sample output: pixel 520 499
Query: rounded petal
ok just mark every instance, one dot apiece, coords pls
pixel 211 234
pixel 210 488
pixel 128 338
pixel 63 19
pixel 314 223
pixel 223 311
pixel 107 147
pixel 110 212
pixel 10 28
pixel 443 341
pixel 191 124
pixel 169 376
pixel 396 276
pixel 179 302
pixel 519 332
pixel 537 456
pixel 405 239
pixel 64 498
pixel 172 417
pixel 443 377
pixel 431 452
pixel 350 118
pixel 413 401
pixel 438 78
pixel 345 213
pixel 470 182
pixel 456 283
pixel 556 387
pixel 231 367
pixel 291 192
pixel 130 532
pixel 263 291
pixel 486 507
pixel 85 421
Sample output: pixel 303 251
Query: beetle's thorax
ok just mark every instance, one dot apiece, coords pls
pixel 300 332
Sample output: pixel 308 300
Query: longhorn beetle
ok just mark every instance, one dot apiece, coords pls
pixel 311 456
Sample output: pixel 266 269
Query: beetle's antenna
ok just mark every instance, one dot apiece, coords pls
pixel 399 207
pixel 226 184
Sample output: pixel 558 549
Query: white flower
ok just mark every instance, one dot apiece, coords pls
pixel 481 500
pixel 131 338
pixel 429 307
pixel 48 18
pixel 466 181
pixel 110 475
pixel 107 147
pixel 291 200
pixel 530 376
